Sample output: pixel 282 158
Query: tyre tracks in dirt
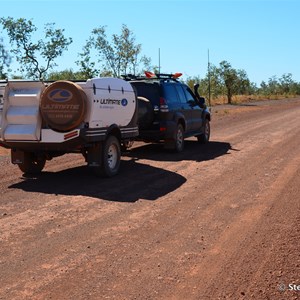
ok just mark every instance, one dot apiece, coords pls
pixel 217 221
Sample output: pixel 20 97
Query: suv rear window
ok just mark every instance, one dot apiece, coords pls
pixel 147 90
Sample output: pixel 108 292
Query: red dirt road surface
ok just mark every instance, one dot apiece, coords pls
pixel 219 221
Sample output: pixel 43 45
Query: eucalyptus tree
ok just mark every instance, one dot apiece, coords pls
pixel 116 55
pixel 35 58
pixel 5 59
pixel 229 77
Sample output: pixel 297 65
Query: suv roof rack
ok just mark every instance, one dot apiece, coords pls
pixel 167 76
pixel 129 77
pixel 152 76
pixel 162 75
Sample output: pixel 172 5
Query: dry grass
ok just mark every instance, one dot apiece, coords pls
pixel 238 99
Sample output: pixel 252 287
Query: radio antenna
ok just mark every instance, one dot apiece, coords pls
pixel 159 60
pixel 208 75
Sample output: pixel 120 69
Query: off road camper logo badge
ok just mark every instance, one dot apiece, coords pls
pixel 124 102
pixel 60 95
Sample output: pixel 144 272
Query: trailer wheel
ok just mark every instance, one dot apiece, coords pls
pixel 32 164
pixel 111 157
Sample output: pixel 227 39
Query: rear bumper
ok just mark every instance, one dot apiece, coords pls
pixel 49 141
pixel 164 131
pixel 73 145
pixel 72 141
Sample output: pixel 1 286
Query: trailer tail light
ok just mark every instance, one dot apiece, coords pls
pixel 163 105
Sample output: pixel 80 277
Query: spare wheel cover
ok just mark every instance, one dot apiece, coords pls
pixel 63 105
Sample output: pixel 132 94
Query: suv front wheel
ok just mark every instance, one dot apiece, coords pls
pixel 204 137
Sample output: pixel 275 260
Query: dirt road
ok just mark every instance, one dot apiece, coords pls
pixel 219 221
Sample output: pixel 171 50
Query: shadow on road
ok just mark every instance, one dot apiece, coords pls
pixel 135 181
pixel 192 151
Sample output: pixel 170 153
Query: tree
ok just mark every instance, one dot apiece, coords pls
pixel 286 83
pixel 120 54
pixel 5 60
pixel 30 54
pixel 67 74
pixel 282 86
pixel 191 81
pixel 230 77
pixel 273 85
pixel 87 67
pixel 243 84
pixel 235 81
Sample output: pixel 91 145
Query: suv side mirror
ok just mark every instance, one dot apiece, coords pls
pixel 192 103
pixel 201 102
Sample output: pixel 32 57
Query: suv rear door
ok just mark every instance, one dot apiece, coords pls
pixel 176 103
pixel 150 91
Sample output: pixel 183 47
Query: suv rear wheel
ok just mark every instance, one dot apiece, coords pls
pixel 179 138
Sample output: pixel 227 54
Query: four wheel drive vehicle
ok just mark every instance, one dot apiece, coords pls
pixel 43 120
pixel 169 111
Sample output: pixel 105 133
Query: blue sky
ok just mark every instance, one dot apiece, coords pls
pixel 261 37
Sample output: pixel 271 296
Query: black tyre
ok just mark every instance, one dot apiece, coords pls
pixel 204 137
pixel 111 157
pixel 179 139
pixel 31 164
pixel 145 113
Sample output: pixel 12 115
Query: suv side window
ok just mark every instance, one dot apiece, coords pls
pixel 170 93
pixel 189 96
pixel 181 94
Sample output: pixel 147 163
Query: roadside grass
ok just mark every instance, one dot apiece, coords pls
pixel 240 99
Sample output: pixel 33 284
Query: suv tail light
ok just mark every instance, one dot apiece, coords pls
pixel 163 105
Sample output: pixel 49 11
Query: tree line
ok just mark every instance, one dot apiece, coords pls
pixel 225 80
pixel 113 56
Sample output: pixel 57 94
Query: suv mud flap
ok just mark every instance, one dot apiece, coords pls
pixel 169 137
pixel 170 129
